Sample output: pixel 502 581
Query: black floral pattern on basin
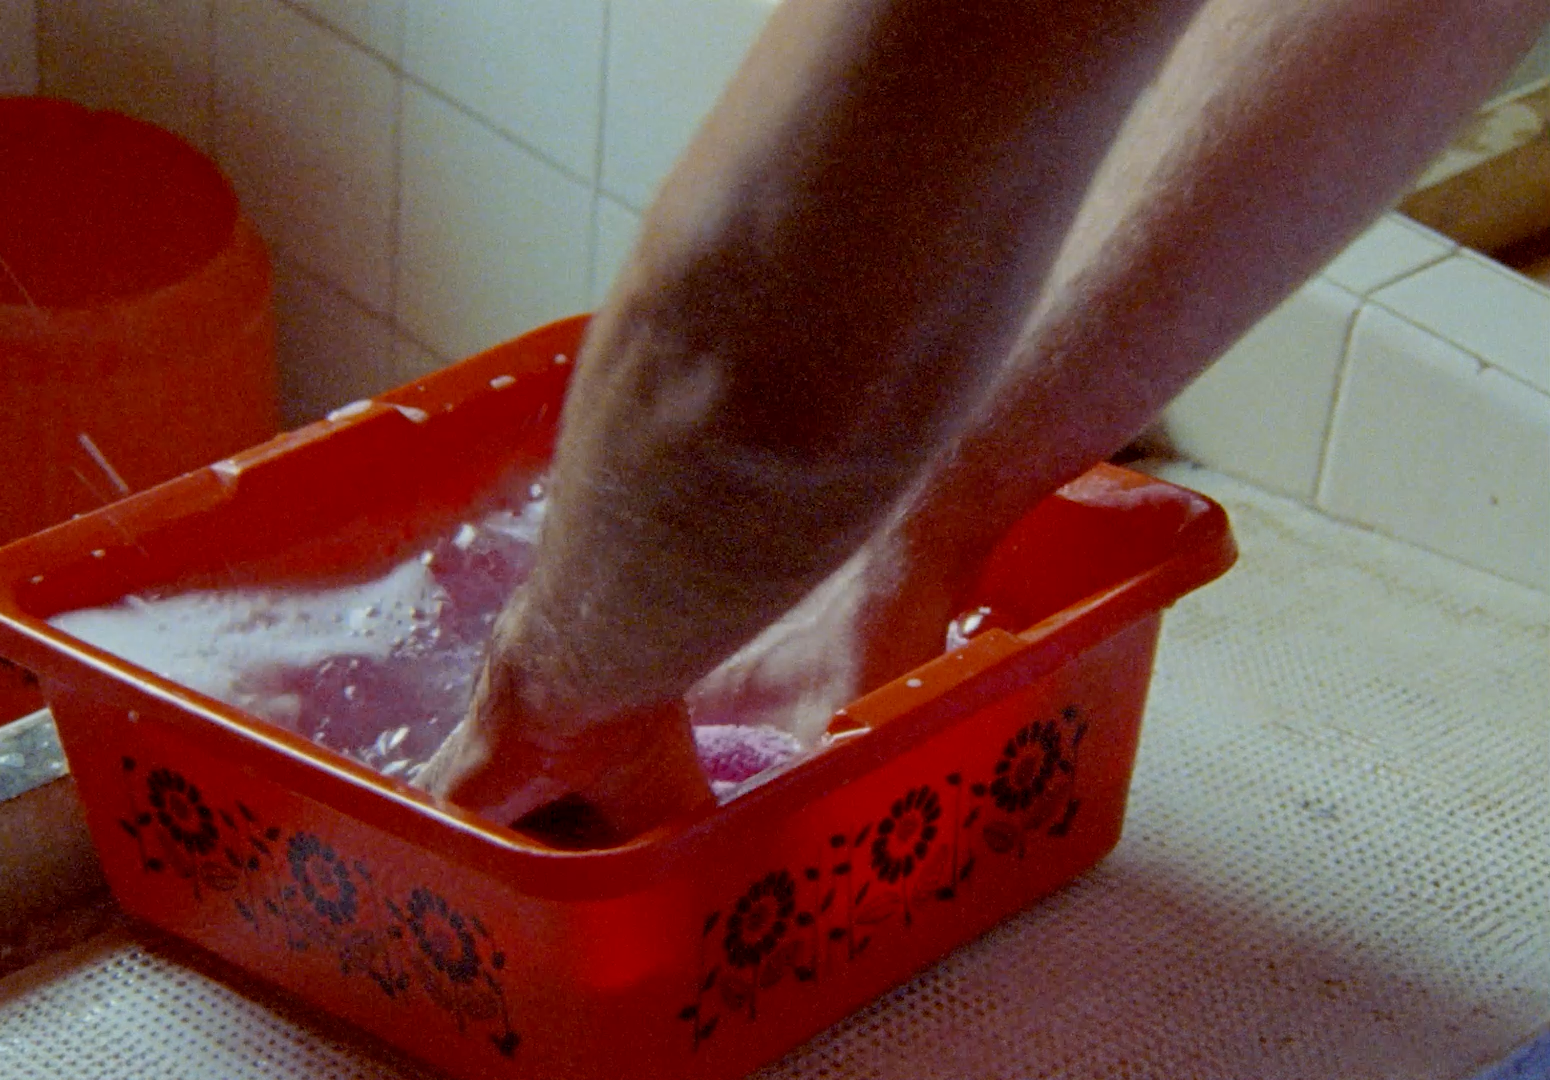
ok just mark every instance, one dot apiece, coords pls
pixel 759 919
pixel 443 936
pixel 323 877
pixel 1029 761
pixel 298 891
pixel 816 918
pixel 182 811
pixel 904 837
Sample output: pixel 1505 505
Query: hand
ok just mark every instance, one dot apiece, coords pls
pixel 876 618
pixel 599 781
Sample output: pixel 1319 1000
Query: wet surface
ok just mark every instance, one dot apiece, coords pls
pixel 30 755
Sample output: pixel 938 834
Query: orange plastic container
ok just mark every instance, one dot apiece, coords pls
pixel 134 309
pixel 950 799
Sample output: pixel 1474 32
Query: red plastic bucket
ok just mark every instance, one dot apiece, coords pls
pixel 134 310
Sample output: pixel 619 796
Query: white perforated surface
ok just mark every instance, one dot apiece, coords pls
pixel 113 1010
pixel 1337 864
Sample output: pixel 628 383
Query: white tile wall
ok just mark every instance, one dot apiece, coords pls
pixel 1429 445
pixel 1483 308
pixel 613 237
pixel 1394 247
pixel 411 360
pixel 494 238
pixel 330 348
pixel 149 58
pixel 375 24
pixel 437 175
pixel 534 69
pixel 440 163
pixel 667 63
pixel 305 126
pixel 18 47
pixel 1262 411
pixel 1439 433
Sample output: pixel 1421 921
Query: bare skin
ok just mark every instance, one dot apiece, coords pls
pixel 845 323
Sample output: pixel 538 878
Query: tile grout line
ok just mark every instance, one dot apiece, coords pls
pixel 1321 502
pixel 211 123
pixel 40 34
pixel 1484 363
pixel 398 69
pixel 317 278
pixel 1405 275
pixel 339 292
pixel 36 73
pixel 598 144
pixel 403 80
pixel 1342 371
pixel 396 198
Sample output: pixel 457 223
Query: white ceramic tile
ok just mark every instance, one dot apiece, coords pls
pixel 533 68
pixel 147 58
pixel 493 240
pixel 18 47
pixel 411 360
pixel 377 24
pixel 330 349
pixel 1393 247
pixel 1262 411
pixel 613 238
pixel 1533 67
pixel 1481 306
pixel 305 126
pixel 668 61
pixel 1429 447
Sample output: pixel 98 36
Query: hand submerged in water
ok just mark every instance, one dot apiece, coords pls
pixel 579 780
pixel 593 783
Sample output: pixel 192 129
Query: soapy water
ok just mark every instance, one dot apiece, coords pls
pixel 381 670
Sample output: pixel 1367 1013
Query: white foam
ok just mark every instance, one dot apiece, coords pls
pixel 354 408
pixel 383 669
pixel 219 642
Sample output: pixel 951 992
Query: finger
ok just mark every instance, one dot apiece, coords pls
pixel 632 772
pixel 647 773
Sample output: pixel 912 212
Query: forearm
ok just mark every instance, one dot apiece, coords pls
pixel 1275 132
pixel 826 281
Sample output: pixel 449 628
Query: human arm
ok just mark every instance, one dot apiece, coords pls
pixel 826 282
pixel 1274 133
